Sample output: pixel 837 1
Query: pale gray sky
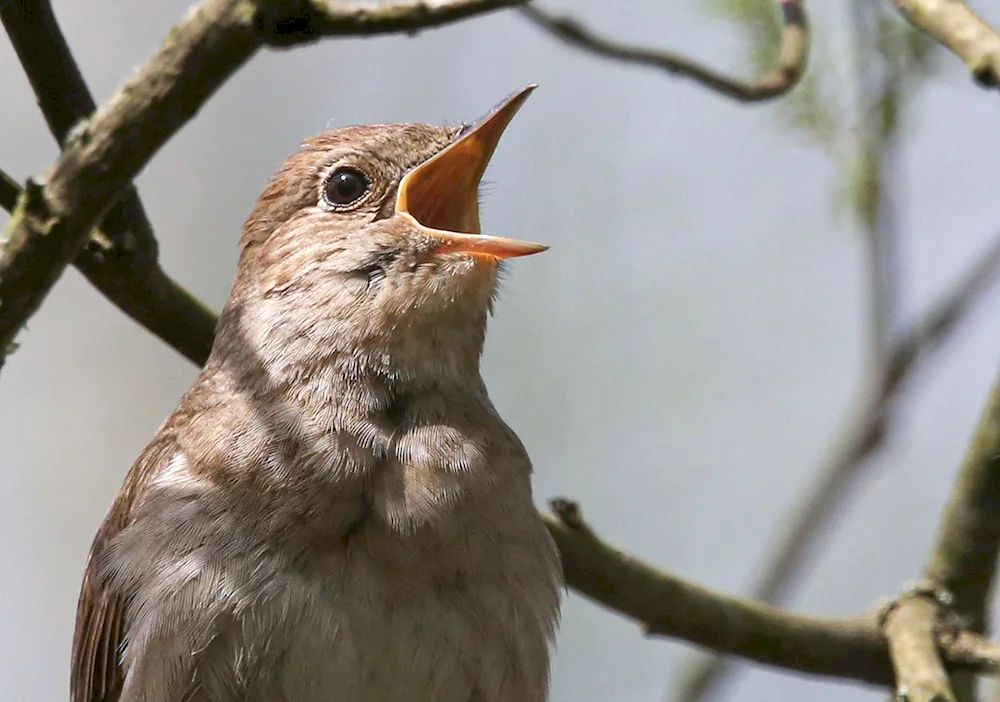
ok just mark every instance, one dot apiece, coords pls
pixel 679 361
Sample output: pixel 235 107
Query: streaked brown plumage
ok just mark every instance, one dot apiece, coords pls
pixel 335 512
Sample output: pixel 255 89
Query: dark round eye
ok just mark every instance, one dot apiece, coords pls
pixel 345 186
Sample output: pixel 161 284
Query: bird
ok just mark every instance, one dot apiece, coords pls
pixel 335 511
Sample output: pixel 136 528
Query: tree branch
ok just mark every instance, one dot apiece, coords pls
pixel 960 30
pixel 914 348
pixel 911 629
pixel 53 220
pixel 964 559
pixel 286 22
pixel 963 562
pixel 865 435
pixel 794 54
pixel 147 294
pixel 960 572
pixel 123 263
pixel 667 606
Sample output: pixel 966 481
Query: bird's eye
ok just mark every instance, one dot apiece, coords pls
pixel 345 186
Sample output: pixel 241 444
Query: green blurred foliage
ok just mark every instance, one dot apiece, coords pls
pixel 852 102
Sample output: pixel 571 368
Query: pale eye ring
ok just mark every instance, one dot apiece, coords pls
pixel 345 187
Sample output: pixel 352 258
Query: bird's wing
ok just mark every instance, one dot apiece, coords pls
pixel 96 674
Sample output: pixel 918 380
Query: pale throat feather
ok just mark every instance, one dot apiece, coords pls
pixel 410 440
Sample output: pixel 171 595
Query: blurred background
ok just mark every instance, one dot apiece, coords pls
pixel 682 362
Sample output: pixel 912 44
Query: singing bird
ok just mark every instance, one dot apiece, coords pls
pixel 335 512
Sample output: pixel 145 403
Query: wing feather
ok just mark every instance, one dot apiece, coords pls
pixel 96 673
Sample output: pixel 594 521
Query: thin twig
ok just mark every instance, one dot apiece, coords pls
pixel 793 56
pixel 54 217
pixel 962 31
pixel 668 606
pixel 830 490
pixel 284 23
pixel 865 435
pixel 123 264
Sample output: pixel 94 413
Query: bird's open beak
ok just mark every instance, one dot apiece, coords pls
pixel 441 195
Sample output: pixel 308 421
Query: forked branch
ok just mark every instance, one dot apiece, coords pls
pixel 123 262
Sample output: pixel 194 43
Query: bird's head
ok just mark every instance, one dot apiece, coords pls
pixel 369 240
